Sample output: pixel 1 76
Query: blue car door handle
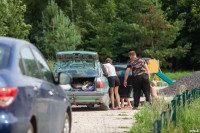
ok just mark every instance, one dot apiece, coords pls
pixel 36 89
pixel 51 93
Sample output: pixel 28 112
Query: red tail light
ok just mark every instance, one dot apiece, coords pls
pixel 100 84
pixel 7 96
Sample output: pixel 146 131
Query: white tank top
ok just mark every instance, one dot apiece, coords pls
pixel 111 70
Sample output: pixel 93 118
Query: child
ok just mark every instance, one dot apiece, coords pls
pixel 154 92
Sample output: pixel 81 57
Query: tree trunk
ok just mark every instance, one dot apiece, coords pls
pixel 71 3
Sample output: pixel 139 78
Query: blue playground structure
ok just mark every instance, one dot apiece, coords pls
pixel 163 77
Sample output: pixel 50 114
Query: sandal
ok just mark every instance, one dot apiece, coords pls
pixel 128 106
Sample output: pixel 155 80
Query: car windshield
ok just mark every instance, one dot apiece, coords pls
pixel 4 55
pixel 76 60
pixel 120 67
pixel 121 70
pixel 82 73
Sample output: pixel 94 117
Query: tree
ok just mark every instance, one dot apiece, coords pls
pixel 189 11
pixel 147 31
pixel 12 19
pixel 57 32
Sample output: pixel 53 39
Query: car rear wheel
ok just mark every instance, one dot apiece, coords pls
pixel 90 105
pixel 105 105
pixel 30 128
pixel 67 125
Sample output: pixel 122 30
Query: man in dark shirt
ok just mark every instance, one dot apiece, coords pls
pixel 140 79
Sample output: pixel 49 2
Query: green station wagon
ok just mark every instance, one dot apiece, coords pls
pixel 89 86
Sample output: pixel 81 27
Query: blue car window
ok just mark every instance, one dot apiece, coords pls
pixel 4 55
pixel 21 66
pixel 45 70
pixel 30 64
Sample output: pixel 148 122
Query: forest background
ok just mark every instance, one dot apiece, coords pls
pixel 167 30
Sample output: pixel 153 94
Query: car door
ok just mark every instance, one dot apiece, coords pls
pixel 124 92
pixel 57 100
pixel 41 105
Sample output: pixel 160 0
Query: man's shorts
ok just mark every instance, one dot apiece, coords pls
pixel 113 81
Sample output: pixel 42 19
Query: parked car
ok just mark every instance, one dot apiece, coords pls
pixel 31 101
pixel 124 92
pixel 89 85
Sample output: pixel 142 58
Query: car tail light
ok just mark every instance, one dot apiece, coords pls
pixel 100 84
pixel 7 95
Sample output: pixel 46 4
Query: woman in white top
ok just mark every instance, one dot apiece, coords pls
pixel 113 82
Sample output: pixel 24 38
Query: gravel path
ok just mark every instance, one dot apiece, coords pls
pixel 94 120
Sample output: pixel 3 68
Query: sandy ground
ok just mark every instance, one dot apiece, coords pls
pixel 94 120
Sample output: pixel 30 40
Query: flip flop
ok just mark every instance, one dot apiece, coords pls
pixel 128 107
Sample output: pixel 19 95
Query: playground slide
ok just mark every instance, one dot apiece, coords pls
pixel 163 77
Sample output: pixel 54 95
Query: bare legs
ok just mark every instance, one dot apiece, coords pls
pixel 128 103
pixel 114 90
pixel 112 96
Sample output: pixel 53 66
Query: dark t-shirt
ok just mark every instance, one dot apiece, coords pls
pixel 137 66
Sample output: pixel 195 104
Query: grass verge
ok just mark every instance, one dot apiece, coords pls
pixel 147 115
pixel 188 118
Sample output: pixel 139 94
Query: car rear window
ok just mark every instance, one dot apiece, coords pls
pixel 4 55
pixel 82 73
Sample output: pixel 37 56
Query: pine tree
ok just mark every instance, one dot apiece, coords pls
pixel 57 32
pixel 145 29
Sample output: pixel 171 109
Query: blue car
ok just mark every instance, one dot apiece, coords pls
pixel 124 92
pixel 31 101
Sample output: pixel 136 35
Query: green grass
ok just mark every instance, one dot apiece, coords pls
pixel 175 75
pixel 147 115
pixel 188 119
pixel 126 118
pixel 109 114
pixel 123 127
pixel 122 115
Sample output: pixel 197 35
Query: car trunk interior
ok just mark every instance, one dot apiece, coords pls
pixel 83 84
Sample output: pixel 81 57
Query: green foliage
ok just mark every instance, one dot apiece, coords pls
pixel 51 64
pixel 98 27
pixel 175 75
pixel 149 33
pixel 57 32
pixel 167 30
pixel 187 10
pixel 147 115
pixel 188 119
pixel 12 19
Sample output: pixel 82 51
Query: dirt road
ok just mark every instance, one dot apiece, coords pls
pixel 94 120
